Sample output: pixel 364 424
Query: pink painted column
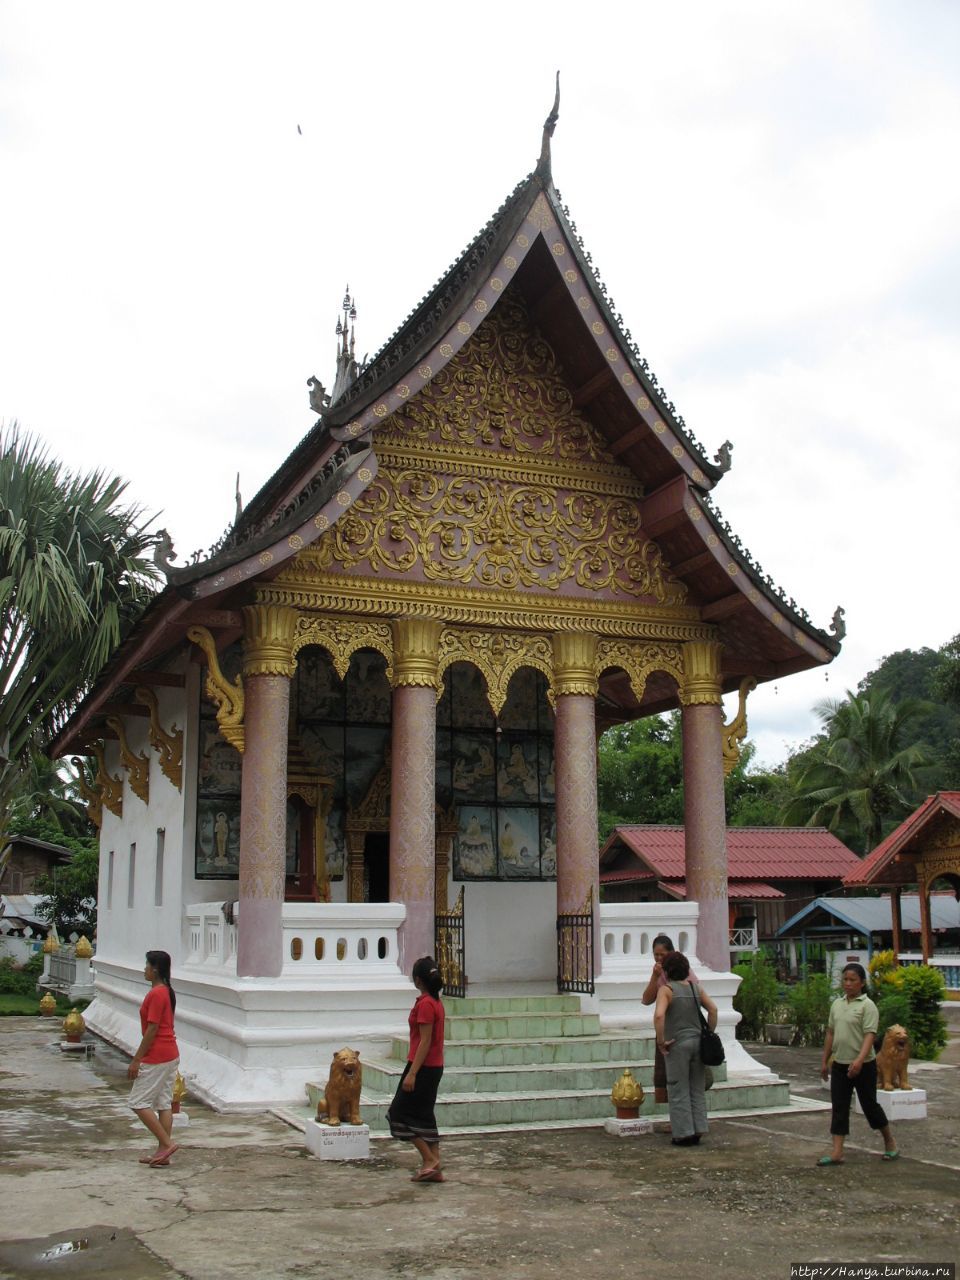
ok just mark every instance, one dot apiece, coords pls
pixel 413 783
pixel 268 666
pixel 575 754
pixel 704 812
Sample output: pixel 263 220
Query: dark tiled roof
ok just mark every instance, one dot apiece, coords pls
pixel 754 853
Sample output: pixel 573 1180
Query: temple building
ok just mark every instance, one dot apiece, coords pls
pixel 365 724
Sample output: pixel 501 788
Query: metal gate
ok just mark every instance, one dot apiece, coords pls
pixel 575 949
pixel 448 933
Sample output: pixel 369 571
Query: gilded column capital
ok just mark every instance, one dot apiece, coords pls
pixel 575 663
pixel 416 653
pixel 701 673
pixel 268 634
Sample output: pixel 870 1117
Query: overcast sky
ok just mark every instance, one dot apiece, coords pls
pixel 770 190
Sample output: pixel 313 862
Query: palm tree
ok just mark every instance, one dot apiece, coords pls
pixel 860 777
pixel 73 576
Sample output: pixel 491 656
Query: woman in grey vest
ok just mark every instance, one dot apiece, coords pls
pixel 677 1024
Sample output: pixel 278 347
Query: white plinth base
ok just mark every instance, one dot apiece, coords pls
pixel 84 1047
pixel 627 1128
pixel 344 1142
pixel 900 1104
pixel 180 1120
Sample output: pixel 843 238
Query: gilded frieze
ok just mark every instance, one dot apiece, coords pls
pixel 305 585
pixel 110 787
pixel 169 746
pixel 487 533
pixel 504 390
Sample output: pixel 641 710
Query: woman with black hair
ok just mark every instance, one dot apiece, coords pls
pixel 850 1062
pixel 155 1064
pixel 411 1115
pixel 677 1023
pixel 662 946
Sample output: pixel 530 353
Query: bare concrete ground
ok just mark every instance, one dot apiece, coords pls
pixel 242 1199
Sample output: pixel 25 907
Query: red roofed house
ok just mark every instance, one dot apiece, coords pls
pixel 773 872
pixel 923 851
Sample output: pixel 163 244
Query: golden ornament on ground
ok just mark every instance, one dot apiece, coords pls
pixel 74 1026
pixel 627 1096
pixel 48 1005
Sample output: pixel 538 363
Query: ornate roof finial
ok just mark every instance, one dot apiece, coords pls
pixel 346 330
pixel 543 164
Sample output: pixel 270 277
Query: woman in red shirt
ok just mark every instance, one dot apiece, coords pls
pixel 155 1064
pixel 411 1115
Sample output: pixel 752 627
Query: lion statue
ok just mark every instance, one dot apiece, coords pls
pixel 893 1058
pixel 341 1097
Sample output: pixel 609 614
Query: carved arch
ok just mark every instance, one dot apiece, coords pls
pixel 640 661
pixel 498 656
pixel 341 639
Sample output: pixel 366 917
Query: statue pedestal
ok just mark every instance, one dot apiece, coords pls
pixel 900 1104
pixel 82 1047
pixel 180 1120
pixel 342 1142
pixel 627 1128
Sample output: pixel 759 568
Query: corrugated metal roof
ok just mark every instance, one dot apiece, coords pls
pixel 23 907
pixel 872 915
pixel 871 869
pixel 737 890
pixel 753 853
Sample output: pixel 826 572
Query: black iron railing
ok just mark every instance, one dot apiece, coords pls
pixel 448 934
pixel 575 949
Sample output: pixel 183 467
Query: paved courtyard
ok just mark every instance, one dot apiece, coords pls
pixel 242 1198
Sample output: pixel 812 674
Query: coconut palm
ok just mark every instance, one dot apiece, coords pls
pixel 860 778
pixel 72 577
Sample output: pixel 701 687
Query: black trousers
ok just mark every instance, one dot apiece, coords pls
pixel 841 1095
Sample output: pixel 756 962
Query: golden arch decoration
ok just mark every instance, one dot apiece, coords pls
pixel 640 661
pixel 343 638
pixel 498 656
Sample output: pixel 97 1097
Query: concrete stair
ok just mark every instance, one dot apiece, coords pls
pixel 537 1060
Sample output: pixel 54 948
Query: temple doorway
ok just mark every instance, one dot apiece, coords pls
pixel 376 867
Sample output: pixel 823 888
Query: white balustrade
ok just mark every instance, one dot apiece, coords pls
pixel 320 939
pixel 627 931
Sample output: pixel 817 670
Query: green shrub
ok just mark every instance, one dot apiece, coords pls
pixel 810 1002
pixel 894 1010
pixel 20 979
pixel 756 997
pixel 923 987
pixel 884 973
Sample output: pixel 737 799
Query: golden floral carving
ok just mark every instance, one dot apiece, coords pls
pixel 92 797
pixel 735 732
pixel 446 350
pixel 471 530
pixel 227 696
pixel 425 371
pixel 136 764
pixel 111 788
pixel 640 661
pixel 168 746
pixel 931 866
pixel 342 637
pixel 496 284
pixel 498 655
pixel 570 276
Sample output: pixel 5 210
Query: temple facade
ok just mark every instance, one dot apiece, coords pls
pixel 376 702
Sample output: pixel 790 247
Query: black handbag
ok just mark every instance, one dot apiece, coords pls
pixel 711 1046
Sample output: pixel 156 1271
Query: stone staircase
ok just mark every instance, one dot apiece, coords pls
pixel 537 1061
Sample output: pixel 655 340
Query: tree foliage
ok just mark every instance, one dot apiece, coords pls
pixel 864 775
pixel 73 577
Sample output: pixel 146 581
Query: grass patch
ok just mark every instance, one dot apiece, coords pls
pixel 18 1006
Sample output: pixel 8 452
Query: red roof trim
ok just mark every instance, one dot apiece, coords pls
pixel 870 869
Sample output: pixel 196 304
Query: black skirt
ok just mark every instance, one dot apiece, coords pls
pixel 411 1114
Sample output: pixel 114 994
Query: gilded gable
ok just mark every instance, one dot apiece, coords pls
pixel 491 478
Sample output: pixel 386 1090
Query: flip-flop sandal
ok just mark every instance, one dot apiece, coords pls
pixel 890 1155
pixel 163 1157
pixel 824 1161
pixel 148 1159
pixel 432 1175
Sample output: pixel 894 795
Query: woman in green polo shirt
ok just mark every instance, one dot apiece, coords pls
pixel 851 1029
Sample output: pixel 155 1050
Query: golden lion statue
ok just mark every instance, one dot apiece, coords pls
pixel 892 1059
pixel 342 1094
